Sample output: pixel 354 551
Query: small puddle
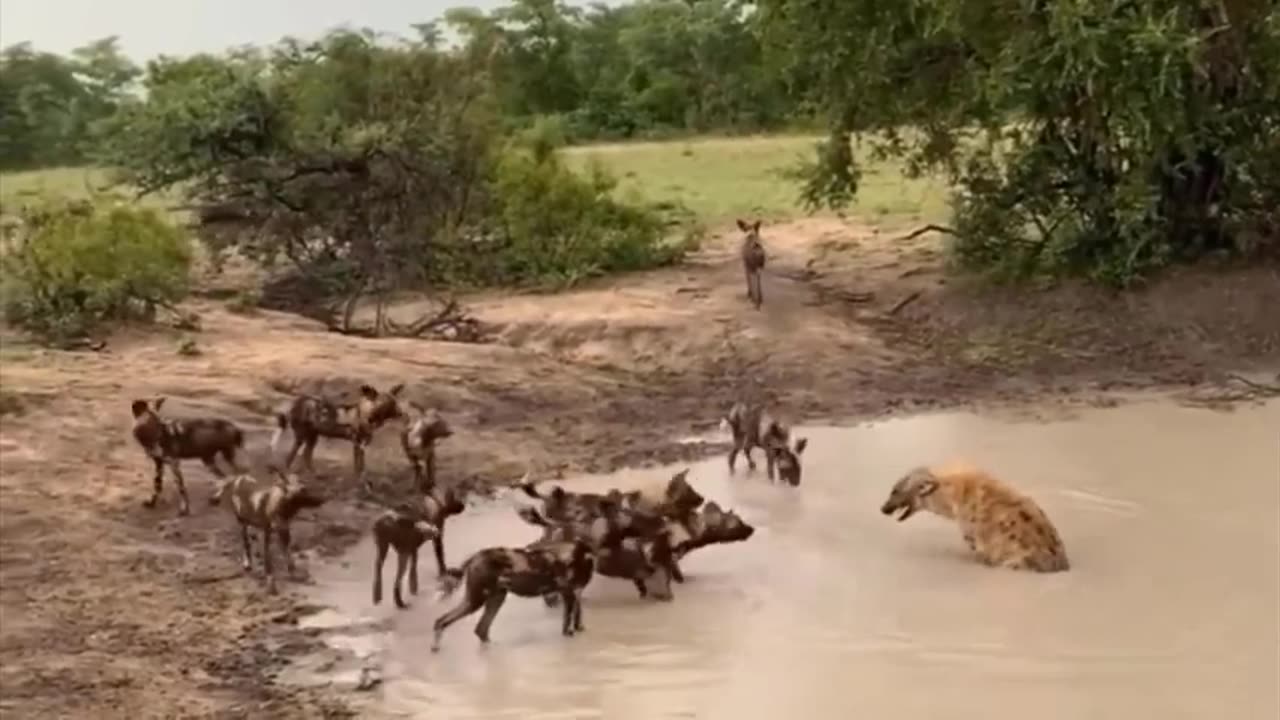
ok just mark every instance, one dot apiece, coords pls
pixel 1171 517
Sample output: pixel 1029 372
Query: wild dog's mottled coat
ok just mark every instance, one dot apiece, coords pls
pixel 405 532
pixel 1000 525
pixel 623 548
pixel 754 427
pixel 490 574
pixel 753 260
pixel 269 507
pixel 168 441
pixel 438 503
pixel 312 418
pixel 418 439
pixel 675 498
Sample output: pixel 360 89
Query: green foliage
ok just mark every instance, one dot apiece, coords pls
pixel 1096 137
pixel 75 266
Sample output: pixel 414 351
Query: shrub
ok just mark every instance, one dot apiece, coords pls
pixel 77 265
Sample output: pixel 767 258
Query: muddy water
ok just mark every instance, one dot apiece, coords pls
pixel 1171 518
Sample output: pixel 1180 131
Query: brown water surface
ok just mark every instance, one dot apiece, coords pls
pixel 1171 518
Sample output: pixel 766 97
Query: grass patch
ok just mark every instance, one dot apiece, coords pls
pixel 71 183
pixel 723 178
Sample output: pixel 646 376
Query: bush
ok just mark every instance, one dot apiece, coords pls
pixel 78 265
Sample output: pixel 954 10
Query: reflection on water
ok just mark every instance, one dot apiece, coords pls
pixel 1171 518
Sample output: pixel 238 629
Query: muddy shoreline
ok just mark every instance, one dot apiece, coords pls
pixel 109 606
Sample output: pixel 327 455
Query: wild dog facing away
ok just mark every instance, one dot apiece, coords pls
pixel 269 507
pixel 311 418
pixel 405 531
pixel 167 442
pixel 438 503
pixel 754 427
pixel 753 259
pixel 673 499
pixel 1001 526
pixel 564 568
pixel 418 439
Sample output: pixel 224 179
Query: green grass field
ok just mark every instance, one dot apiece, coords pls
pixel 717 178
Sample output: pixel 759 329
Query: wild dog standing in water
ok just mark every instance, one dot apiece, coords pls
pixel 673 499
pixel 489 575
pixel 269 507
pixel 167 442
pixel 754 427
pixel 753 259
pixel 439 502
pixel 312 418
pixel 418 439
pixel 1000 525
pixel 405 531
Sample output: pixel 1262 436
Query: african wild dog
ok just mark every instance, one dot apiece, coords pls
pixel 1001 526
pixel 644 560
pixel 753 427
pixel 167 442
pixel 439 502
pixel 405 530
pixel 269 507
pixel 312 418
pixel 674 499
pixel 753 259
pixel 564 568
pixel 709 526
pixel 418 439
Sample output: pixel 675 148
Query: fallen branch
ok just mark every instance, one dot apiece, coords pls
pixel 926 229
pixel 1257 386
pixel 904 302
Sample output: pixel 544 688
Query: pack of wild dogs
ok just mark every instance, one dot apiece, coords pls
pixel 637 535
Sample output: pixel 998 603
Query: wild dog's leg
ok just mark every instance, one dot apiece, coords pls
pixel 759 290
pixel 381 545
pixel 267 565
pixel 470 603
pixel 184 504
pixel 309 453
pixel 567 624
pixel 746 271
pixel 733 454
pixel 430 468
pixel 285 545
pixel 211 462
pixel 674 568
pixel 551 599
pixel 402 564
pixel 293 449
pixel 491 608
pixel 644 591
pixel 770 458
pixel 413 571
pixel 157 483
pixel 357 460
pixel 577 610
pixel 248 554
pixel 746 450
pixel 437 545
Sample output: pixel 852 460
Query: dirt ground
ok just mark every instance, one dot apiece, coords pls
pixel 112 609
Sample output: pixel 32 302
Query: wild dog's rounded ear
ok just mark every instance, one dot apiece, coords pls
pixel 712 508
pixel 396 390
pixel 756 226
pixel 743 226
pixel 138 408
pixel 557 493
pixel 369 391
pixel 155 404
pixel 801 444
pixel 608 506
pixel 681 476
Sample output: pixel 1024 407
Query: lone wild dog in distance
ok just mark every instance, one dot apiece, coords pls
pixel 269 507
pixel 418 439
pixel 753 427
pixel 312 418
pixel 405 532
pixel 564 568
pixel 1003 527
pixel 753 259
pixel 167 442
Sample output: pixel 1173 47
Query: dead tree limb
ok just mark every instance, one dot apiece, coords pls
pixel 927 229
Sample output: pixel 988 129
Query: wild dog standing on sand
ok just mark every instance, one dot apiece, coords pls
pixel 1001 526
pixel 312 418
pixel 405 531
pixel 673 499
pixel 753 259
pixel 754 427
pixel 418 439
pixel 564 568
pixel 269 507
pixel 167 442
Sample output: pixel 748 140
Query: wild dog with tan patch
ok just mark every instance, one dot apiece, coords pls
pixel 754 427
pixel 418 439
pixel 709 525
pixel 168 441
pixel 312 418
pixel 438 503
pixel 672 499
pixel 488 576
pixel 1001 526
pixel 753 259
pixel 405 531
pixel 269 507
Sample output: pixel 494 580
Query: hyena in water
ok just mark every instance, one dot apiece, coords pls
pixel 269 507
pixel 312 418
pixel 754 427
pixel 167 442
pixel 563 568
pixel 753 259
pixel 1001 526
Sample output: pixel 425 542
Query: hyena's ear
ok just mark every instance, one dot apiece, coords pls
pixel 368 391
pixel 801 444
pixel 927 488
pixel 139 408
pixel 743 226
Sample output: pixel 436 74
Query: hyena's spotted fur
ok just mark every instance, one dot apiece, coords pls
pixel 311 418
pixel 405 532
pixel 169 441
pixel 489 575
pixel 753 259
pixel 269 507
pixel 753 426
pixel 1002 527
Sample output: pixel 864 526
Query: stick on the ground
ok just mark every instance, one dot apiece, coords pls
pixel 927 228
pixel 904 302
pixel 1260 387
